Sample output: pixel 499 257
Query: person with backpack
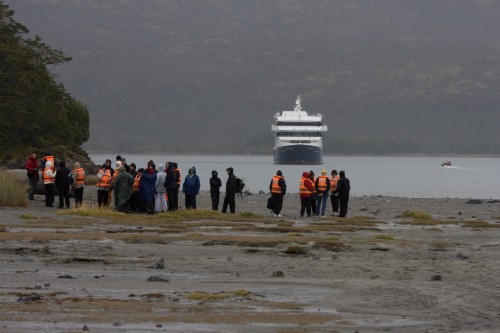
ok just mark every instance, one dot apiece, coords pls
pixel 277 187
pixel 231 190
pixel 322 187
pixel 64 179
pixel 215 185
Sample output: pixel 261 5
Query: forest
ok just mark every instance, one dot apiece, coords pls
pixel 37 114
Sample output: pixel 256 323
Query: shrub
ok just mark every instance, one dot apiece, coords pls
pixel 28 217
pixel 12 192
pixel 418 215
pixel 91 210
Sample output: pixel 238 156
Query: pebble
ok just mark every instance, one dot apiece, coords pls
pixel 65 276
pixel 462 256
pixel 474 202
pixel 157 279
pixel 436 278
pixel 85 328
pixel 160 264
pixel 28 299
pixel 278 274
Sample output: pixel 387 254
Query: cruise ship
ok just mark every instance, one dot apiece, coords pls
pixel 298 136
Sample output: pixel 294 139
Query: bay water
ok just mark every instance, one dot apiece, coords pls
pixel 413 177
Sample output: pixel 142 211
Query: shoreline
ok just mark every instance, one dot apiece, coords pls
pixel 374 271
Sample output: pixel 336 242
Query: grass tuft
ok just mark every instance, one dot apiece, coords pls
pixel 385 237
pixel 247 214
pixel 201 295
pixel 91 210
pixel 28 217
pixel 415 214
pixel 12 193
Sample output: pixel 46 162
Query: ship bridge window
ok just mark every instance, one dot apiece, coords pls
pixel 299 134
pixel 296 123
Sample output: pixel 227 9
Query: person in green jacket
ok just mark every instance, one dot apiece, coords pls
pixel 123 189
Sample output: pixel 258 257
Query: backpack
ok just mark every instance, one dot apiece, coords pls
pixel 240 185
pixel 70 179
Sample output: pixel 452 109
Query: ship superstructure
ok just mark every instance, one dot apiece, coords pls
pixel 298 136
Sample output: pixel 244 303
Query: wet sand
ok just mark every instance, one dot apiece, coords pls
pixel 374 271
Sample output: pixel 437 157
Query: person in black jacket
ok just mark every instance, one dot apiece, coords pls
pixel 62 184
pixel 231 189
pixel 215 185
pixel 343 188
pixel 171 186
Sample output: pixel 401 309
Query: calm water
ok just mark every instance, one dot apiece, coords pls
pixel 418 177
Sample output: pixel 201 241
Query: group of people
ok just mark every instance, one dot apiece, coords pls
pixel 156 189
pixel 60 178
pixel 314 193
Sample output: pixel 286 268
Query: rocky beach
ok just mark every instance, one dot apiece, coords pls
pixel 393 265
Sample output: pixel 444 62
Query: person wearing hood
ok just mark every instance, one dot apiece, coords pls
pixel 33 175
pixel 306 192
pixel 314 194
pixel 277 187
pixel 79 177
pixel 123 189
pixel 147 188
pixel 343 189
pixel 334 178
pixel 49 177
pixel 62 185
pixel 215 185
pixel 160 190
pixel 231 189
pixel 191 188
pixel 171 186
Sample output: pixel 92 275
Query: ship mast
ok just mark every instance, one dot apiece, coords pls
pixel 298 106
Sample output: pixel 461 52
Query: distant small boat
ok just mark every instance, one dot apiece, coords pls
pixel 446 164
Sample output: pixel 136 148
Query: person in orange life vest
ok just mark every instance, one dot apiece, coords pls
pixel 33 176
pixel 343 189
pixel 277 187
pixel 322 186
pixel 49 177
pixel 334 197
pixel 104 184
pixel 306 191
pixel 48 158
pixel 135 201
pixel 79 177
pixel 314 194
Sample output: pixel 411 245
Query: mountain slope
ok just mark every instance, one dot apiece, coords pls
pixel 390 76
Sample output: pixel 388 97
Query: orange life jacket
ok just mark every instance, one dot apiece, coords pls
pixel 178 170
pixel 137 183
pixel 333 182
pixel 303 188
pixel 115 174
pixel 105 180
pixel 80 176
pixel 322 183
pixel 275 187
pixel 51 159
pixel 46 178
pixel 314 184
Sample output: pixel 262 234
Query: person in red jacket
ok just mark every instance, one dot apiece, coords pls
pixel 306 194
pixel 33 176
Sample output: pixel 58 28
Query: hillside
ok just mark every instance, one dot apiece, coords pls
pixel 390 76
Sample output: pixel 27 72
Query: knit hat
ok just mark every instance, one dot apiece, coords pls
pixel 323 172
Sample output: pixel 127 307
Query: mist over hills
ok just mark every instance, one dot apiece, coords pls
pixel 390 76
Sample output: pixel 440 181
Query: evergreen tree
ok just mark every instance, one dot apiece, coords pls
pixel 36 112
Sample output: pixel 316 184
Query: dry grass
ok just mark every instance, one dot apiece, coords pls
pixel 479 224
pixel 12 193
pixel 199 295
pixel 28 217
pixel 428 222
pixel 91 210
pixel 417 215
pixel 385 237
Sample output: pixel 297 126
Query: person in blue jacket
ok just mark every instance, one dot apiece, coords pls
pixel 147 188
pixel 191 188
